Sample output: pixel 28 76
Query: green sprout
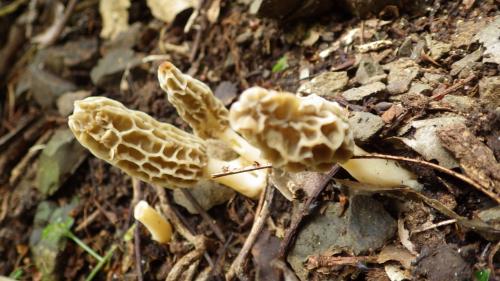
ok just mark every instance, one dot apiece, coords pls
pixel 482 275
pixel 281 64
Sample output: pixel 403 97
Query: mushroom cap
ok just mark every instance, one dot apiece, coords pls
pixel 294 133
pixel 135 142
pixel 194 101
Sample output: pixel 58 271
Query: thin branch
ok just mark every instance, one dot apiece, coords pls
pixel 243 170
pixel 436 167
pixel 236 269
pixel 434 225
pixel 453 88
pixel 304 211
pixel 206 217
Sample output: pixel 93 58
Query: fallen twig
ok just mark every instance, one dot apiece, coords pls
pixel 331 261
pixel 236 269
pixel 304 211
pixel 436 167
pixel 453 88
pixel 434 225
pixel 206 217
pixel 243 170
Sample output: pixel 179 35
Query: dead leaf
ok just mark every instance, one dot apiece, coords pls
pixel 426 142
pixel 475 158
pixel 394 253
pixel 114 14
pixel 397 274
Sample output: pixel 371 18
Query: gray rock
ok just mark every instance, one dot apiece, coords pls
pixel 66 101
pixel 419 88
pixel 364 226
pixel 401 74
pixel 58 160
pixel 443 263
pixel 357 94
pixel 460 103
pixel 489 90
pixel 110 68
pixel 47 87
pixel 369 71
pixel 325 84
pixel 406 48
pixel 490 38
pixel 438 49
pixel 466 62
pixel 364 125
pixel 206 193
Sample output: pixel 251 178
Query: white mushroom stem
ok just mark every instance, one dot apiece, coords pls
pixel 158 226
pixel 241 146
pixel 381 172
pixel 250 184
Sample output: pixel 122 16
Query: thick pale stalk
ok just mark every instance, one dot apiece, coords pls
pixel 241 146
pixel 379 172
pixel 250 184
pixel 158 226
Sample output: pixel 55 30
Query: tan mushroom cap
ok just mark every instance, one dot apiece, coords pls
pixel 294 133
pixel 152 151
pixel 194 101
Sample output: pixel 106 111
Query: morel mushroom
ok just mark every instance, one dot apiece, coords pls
pixel 152 151
pixel 308 133
pixel 198 106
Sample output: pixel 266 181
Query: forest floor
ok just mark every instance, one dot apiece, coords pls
pixel 422 86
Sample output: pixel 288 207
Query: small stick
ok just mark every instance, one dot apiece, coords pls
pixel 453 88
pixel 243 170
pixel 436 167
pixel 206 217
pixel 263 210
pixel 304 211
pixel 331 261
pixel 435 225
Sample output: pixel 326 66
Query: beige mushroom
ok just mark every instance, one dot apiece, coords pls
pixel 308 133
pixel 157 225
pixel 152 151
pixel 198 106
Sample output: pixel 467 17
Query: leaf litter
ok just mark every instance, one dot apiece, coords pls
pixel 425 76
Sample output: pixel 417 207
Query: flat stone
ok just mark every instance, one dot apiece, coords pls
pixel 65 103
pixel 62 155
pixel 369 71
pixel 460 103
pixel 207 193
pixel 325 84
pixel 443 263
pixel 401 74
pixel 364 125
pixel 47 87
pixel 438 49
pixel 489 90
pixel 110 68
pixel 357 94
pixel 364 226
pixel 419 88
pixel 489 37
pixel 466 62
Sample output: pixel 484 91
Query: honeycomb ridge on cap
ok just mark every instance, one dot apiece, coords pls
pixel 293 133
pixel 194 101
pixel 135 142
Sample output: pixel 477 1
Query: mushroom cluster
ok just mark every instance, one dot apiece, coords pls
pixel 152 151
